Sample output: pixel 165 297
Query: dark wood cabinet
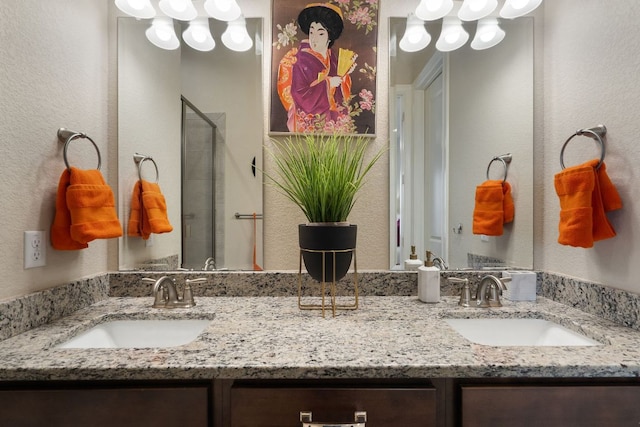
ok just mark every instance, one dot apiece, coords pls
pixel 99 404
pixel 549 405
pixel 274 405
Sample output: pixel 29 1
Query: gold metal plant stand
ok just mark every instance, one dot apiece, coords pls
pixel 332 284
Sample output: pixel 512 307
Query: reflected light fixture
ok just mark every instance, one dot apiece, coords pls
pixel 430 10
pixel 415 36
pixel 517 8
pixel 140 9
pixel 472 10
pixel 453 36
pixel 198 35
pixel 488 34
pixel 223 10
pixel 162 33
pixel 236 36
pixel 182 10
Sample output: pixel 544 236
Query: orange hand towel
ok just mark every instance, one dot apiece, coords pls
pixel 585 194
pixel 610 197
pixel 85 210
pixel 134 227
pixel 154 210
pixel 507 204
pixel 61 227
pixel 92 206
pixel 488 214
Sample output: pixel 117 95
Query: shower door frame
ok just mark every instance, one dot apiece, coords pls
pixel 183 147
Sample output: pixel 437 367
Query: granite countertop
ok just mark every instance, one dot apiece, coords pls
pixel 269 337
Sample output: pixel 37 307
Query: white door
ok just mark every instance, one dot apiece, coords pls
pixel 435 178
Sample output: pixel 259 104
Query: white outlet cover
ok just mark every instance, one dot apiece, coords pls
pixel 35 249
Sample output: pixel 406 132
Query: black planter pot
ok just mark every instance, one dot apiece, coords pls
pixel 324 237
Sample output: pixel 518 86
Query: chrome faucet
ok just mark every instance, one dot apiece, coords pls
pixel 440 263
pixel 209 264
pixel 487 294
pixel 165 294
pixel 489 291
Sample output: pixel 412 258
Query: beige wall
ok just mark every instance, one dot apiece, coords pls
pixel 60 76
pixel 591 68
pixel 53 73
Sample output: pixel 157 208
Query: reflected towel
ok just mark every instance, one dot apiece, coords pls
pixel 154 209
pixel 134 227
pixel 493 208
pixel 585 194
pixel 85 210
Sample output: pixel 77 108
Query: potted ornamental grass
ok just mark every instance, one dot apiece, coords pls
pixel 322 174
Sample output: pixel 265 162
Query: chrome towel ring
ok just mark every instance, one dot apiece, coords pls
pixel 66 136
pixel 140 159
pixel 596 133
pixel 505 159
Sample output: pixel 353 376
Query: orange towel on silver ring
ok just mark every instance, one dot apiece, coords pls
pixel 85 210
pixel 493 208
pixel 585 194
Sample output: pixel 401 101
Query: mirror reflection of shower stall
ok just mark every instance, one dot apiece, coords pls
pixel 202 189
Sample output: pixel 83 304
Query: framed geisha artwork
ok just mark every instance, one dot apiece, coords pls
pixel 323 67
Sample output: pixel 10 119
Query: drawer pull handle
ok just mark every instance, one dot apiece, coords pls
pixel 359 420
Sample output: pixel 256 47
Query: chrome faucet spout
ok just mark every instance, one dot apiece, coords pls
pixel 489 290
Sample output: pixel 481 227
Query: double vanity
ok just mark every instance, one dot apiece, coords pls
pixel 260 361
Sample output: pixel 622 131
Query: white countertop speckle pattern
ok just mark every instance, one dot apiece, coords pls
pixel 269 337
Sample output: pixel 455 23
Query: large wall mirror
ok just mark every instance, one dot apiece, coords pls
pixel 450 114
pixel 199 116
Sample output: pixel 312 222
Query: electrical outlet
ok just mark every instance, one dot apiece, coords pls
pixel 35 253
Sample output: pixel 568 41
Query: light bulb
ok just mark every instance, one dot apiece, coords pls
pixel 136 4
pixel 178 5
pixel 477 5
pixel 433 5
pixel 199 34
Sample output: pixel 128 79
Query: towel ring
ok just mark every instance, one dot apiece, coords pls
pixel 66 136
pixel 140 159
pixel 596 133
pixel 505 159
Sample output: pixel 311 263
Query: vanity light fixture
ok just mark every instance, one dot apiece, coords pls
pixel 198 35
pixel 488 34
pixel 430 10
pixel 140 9
pixel 162 33
pixel 517 8
pixel 415 36
pixel 182 10
pixel 472 10
pixel 453 36
pixel 223 10
pixel 236 36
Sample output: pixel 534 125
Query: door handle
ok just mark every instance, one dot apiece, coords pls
pixel 359 420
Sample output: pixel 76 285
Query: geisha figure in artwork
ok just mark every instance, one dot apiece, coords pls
pixel 314 82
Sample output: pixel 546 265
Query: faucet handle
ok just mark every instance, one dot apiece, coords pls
pixel 148 280
pixel 465 293
pixel 504 280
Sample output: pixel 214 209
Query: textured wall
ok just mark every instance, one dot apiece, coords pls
pixel 53 74
pixel 591 68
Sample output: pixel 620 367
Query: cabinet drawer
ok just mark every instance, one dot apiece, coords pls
pixel 551 406
pixel 281 407
pixel 96 407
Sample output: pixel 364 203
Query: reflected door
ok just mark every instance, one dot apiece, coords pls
pixel 435 176
pixel 198 188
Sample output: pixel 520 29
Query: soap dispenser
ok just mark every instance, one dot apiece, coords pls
pixel 429 281
pixel 413 262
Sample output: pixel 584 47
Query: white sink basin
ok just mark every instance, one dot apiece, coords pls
pixel 518 332
pixel 138 334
